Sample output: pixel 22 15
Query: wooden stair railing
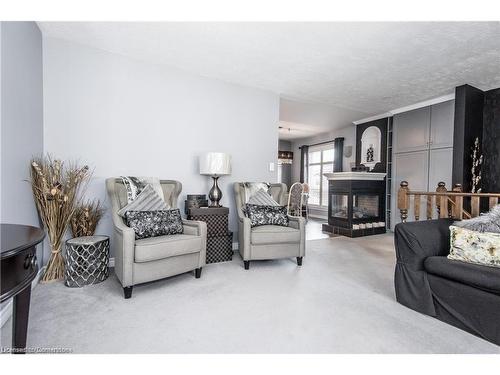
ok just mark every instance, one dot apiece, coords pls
pixel 449 204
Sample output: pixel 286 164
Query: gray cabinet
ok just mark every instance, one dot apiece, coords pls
pixel 422 152
pixel 440 169
pixel 442 124
pixel 411 167
pixel 412 130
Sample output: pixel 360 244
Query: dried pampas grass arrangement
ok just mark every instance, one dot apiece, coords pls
pixel 56 187
pixel 85 218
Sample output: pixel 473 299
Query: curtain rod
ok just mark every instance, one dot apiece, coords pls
pixel 321 143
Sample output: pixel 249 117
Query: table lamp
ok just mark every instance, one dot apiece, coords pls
pixel 215 164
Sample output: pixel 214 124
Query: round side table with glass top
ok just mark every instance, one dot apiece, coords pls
pixel 87 261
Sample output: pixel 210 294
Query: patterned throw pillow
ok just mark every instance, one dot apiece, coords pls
pixel 147 200
pixel 266 215
pixel 488 222
pixel 262 198
pixel 250 188
pixel 474 247
pixel 154 223
pixel 134 186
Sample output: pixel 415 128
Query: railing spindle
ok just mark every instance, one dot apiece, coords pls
pixel 429 207
pixel 403 200
pixel 416 206
pixel 458 208
pixel 441 188
pixel 493 202
pixel 474 206
pixel 443 207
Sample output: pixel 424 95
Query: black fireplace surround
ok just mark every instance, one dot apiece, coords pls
pixel 356 207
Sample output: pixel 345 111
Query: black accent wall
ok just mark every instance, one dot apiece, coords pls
pixel 477 114
pixel 468 125
pixel 382 125
pixel 491 142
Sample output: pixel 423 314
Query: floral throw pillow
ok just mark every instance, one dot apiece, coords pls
pixel 266 215
pixel 154 223
pixel 474 247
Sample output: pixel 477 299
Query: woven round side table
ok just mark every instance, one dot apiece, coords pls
pixel 86 261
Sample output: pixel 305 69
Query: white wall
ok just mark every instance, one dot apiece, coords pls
pixel 21 119
pixel 349 134
pixel 126 117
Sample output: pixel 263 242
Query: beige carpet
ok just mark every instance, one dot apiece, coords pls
pixel 340 301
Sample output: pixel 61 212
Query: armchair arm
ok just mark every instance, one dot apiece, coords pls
pixel 123 247
pixel 418 240
pixel 198 228
pixel 299 223
pixel 244 232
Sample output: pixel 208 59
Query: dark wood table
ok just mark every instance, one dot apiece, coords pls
pixel 18 269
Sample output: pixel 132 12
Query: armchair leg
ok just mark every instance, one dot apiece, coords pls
pixel 197 272
pixel 299 261
pixel 247 264
pixel 127 291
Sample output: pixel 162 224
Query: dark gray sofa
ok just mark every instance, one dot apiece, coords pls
pixel 461 294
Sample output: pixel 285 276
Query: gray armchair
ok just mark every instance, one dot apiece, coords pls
pixel 149 259
pixel 269 241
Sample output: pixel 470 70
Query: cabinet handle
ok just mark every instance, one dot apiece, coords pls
pixel 30 261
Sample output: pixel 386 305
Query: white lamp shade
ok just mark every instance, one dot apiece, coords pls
pixel 215 164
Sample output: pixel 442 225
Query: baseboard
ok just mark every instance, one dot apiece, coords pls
pixel 6 311
pixel 319 217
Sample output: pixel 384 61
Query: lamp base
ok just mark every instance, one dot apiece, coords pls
pixel 215 194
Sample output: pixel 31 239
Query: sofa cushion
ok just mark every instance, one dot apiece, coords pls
pixel 272 234
pixel 482 277
pixel 155 248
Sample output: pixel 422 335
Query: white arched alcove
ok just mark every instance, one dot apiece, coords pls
pixel 370 146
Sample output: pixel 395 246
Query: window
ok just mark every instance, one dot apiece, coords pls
pixel 320 161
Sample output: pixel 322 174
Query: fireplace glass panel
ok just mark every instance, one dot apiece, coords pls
pixel 365 206
pixel 339 205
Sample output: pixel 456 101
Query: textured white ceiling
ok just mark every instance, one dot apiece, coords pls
pixel 365 67
pixel 301 120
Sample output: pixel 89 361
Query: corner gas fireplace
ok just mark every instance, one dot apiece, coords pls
pixel 356 202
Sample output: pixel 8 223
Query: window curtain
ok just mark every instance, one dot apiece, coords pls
pixel 338 153
pixel 304 162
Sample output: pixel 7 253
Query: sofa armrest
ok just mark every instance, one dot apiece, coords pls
pixel 299 223
pixel 198 228
pixel 415 241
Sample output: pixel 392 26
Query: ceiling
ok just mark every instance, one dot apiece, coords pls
pixel 302 120
pixel 359 69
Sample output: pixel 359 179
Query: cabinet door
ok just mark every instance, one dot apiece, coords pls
pixel 411 130
pixel 440 169
pixel 411 167
pixel 442 124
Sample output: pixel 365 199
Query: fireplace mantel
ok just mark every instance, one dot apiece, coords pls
pixel 364 176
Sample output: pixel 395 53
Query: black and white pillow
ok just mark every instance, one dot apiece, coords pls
pixel 262 198
pixel 147 200
pixel 266 215
pixel 250 188
pixel 134 186
pixel 154 223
